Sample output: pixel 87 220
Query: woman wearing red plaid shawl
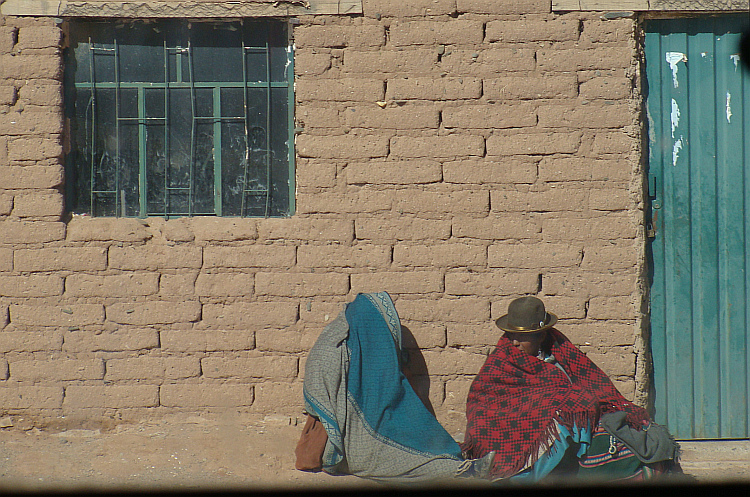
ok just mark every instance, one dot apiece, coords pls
pixel 545 408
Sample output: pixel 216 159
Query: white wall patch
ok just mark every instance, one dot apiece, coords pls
pixel 674 117
pixel 729 108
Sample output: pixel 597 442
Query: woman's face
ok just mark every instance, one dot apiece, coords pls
pixel 527 342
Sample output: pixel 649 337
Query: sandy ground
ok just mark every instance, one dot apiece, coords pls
pixel 222 452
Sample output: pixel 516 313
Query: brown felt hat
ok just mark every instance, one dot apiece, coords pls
pixel 526 315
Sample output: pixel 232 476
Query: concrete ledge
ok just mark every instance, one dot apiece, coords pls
pixel 141 9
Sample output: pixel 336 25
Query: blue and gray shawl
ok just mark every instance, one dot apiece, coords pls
pixel 377 426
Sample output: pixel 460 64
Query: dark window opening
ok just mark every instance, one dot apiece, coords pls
pixel 177 118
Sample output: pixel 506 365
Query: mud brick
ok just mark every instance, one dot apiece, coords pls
pixel 334 36
pixel 154 257
pixel 592 115
pixel 492 283
pixel 206 395
pixel 534 255
pixel 553 199
pixel 34 148
pixel 31 397
pixel 148 313
pixel 611 31
pixel 531 29
pixel 452 362
pixel 115 285
pixel 57 370
pixel 41 93
pixel 606 88
pixel 496 228
pixel 301 284
pixel 249 256
pixel 464 309
pixel 414 8
pixel 407 117
pixel 28 177
pixel 249 315
pixel 6 260
pixel 8 37
pixel 505 7
pixel 429 88
pixel 393 172
pixel 31 286
pixel 456 393
pixel 611 199
pixel 182 284
pixel 289 340
pixel 152 368
pixel 61 315
pixel 206 341
pixel 563 307
pixel 30 341
pixel 531 88
pixel 491 116
pixel 413 61
pixel 110 396
pixel 440 255
pixel 447 147
pixel 426 32
pixel 318 115
pixel 46 120
pixel 607 258
pixel 342 146
pixel 356 202
pixel 613 142
pixel 224 229
pixel 490 170
pixel 60 259
pixel 381 230
pixel 117 341
pixel 85 229
pixel 422 335
pixel 308 63
pixel 533 143
pixel 420 282
pixel 361 255
pixel 575 59
pixel 320 313
pixel 39 37
pixel 224 284
pixel 487 62
pixel 268 366
pixel 587 284
pixel 6 204
pixel 308 229
pixel 27 66
pixel 430 201
pixel 22 232
pixel 312 173
pixel 472 334
pixel 340 90
pixel 601 334
pixel 622 307
pixel 275 396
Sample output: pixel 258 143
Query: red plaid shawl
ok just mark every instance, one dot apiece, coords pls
pixel 515 400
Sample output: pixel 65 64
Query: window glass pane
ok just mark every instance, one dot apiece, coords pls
pixel 128 102
pixel 203 172
pixel 278 46
pixel 154 101
pixel 232 103
pixel 181 137
pixel 279 139
pixel 141 53
pixel 204 102
pixel 156 161
pixel 129 170
pixel 217 52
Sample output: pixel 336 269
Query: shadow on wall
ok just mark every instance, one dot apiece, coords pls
pixel 415 368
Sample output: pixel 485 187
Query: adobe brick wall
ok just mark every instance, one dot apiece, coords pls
pixel 455 153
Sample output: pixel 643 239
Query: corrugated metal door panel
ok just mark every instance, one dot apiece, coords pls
pixel 698 107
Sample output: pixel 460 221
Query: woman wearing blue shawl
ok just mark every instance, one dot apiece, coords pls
pixel 377 426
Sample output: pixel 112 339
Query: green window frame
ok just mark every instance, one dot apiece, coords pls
pixel 178 118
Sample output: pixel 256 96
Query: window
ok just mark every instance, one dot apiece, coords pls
pixel 176 118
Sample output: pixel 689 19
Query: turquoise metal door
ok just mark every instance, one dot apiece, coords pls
pixel 698 108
